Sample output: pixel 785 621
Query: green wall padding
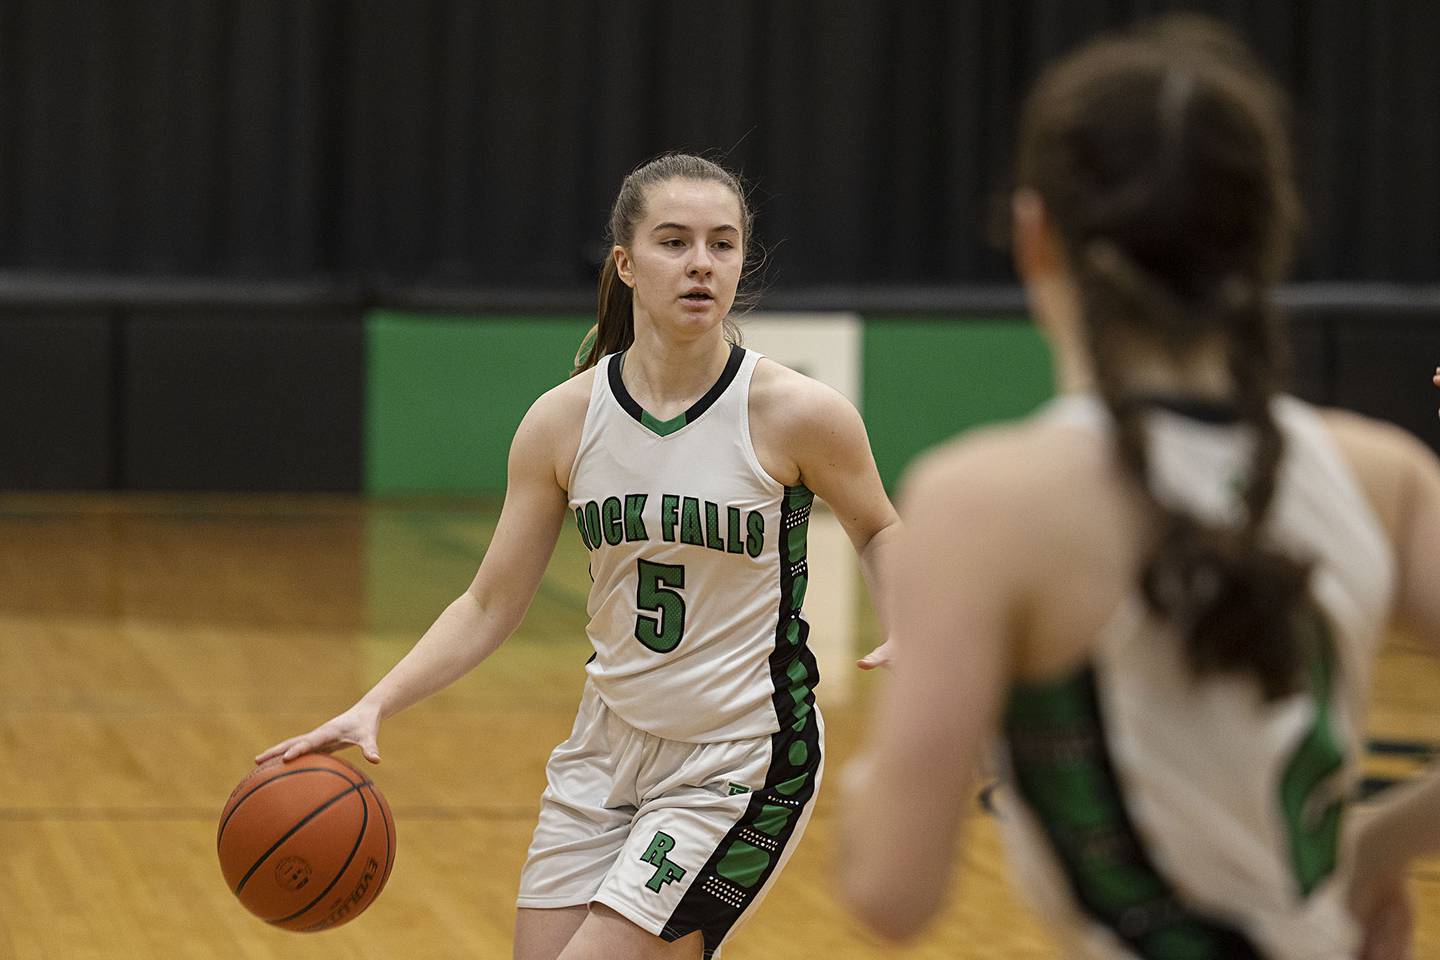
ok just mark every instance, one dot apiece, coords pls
pixel 445 394
pixel 929 379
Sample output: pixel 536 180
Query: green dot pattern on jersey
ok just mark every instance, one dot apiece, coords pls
pixel 748 855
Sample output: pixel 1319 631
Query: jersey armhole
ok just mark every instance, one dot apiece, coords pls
pixel 591 412
pixel 746 376
pixel 1306 420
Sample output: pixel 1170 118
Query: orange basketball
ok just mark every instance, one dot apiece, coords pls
pixel 308 844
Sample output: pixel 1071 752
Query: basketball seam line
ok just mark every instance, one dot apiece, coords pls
pixel 364 823
pixel 389 857
pixel 261 786
pixel 291 832
pixel 389 831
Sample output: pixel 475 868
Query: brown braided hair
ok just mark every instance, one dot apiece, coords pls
pixel 614 328
pixel 1162 157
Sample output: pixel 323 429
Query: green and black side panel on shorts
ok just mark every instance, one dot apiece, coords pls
pixel 749 853
pixel 1062 769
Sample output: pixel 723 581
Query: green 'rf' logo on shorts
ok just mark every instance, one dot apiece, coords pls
pixel 665 870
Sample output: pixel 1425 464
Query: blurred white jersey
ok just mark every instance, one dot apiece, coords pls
pixel 1147 814
pixel 698 562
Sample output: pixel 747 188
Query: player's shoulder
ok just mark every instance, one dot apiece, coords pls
pixel 1039 499
pixel 781 393
pixel 811 422
pixel 1367 438
pixel 565 403
pixel 550 430
pixel 1045 490
pixel 1035 463
pixel 1387 460
pixel 1383 456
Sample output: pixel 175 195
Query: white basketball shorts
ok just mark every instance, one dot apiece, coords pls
pixel 674 836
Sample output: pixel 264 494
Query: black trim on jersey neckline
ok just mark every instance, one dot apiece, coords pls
pixel 1190 406
pixel 631 406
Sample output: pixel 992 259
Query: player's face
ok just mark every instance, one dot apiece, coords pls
pixel 685 260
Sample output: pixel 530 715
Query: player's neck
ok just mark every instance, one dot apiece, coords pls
pixel 1202 374
pixel 1143 366
pixel 661 373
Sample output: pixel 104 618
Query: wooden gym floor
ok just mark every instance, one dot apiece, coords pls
pixel 151 644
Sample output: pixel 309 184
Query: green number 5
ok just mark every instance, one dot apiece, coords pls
pixel 662 632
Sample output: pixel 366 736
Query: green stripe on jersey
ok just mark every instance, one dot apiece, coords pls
pixel 749 852
pixel 662 428
pixel 1061 765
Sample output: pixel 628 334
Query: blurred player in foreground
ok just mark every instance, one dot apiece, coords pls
pixel 1163 594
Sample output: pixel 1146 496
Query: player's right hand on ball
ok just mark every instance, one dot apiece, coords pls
pixel 358 727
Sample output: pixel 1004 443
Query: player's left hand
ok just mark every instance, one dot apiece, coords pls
pixel 1436 379
pixel 884 655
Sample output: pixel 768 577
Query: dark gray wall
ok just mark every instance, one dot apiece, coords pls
pixel 200 198
pixel 263 387
pixel 480 143
pixel 157 386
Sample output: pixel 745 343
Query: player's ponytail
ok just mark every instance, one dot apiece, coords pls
pixel 1242 606
pixel 614 328
pixel 1162 159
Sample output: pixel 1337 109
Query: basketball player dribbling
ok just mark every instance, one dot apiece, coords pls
pixel 688 465
pixel 1162 596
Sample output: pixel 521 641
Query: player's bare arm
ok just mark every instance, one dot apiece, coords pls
pixel 807 432
pixel 477 622
pixel 952 602
pixel 1401 478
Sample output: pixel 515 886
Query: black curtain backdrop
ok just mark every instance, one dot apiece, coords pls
pixel 477 143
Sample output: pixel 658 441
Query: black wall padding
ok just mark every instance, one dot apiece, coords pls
pixel 1383 367
pixel 480 143
pixel 1310 357
pixel 243 400
pixel 56 409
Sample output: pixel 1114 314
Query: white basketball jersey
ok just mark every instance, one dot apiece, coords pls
pixel 698 562
pixel 1148 814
